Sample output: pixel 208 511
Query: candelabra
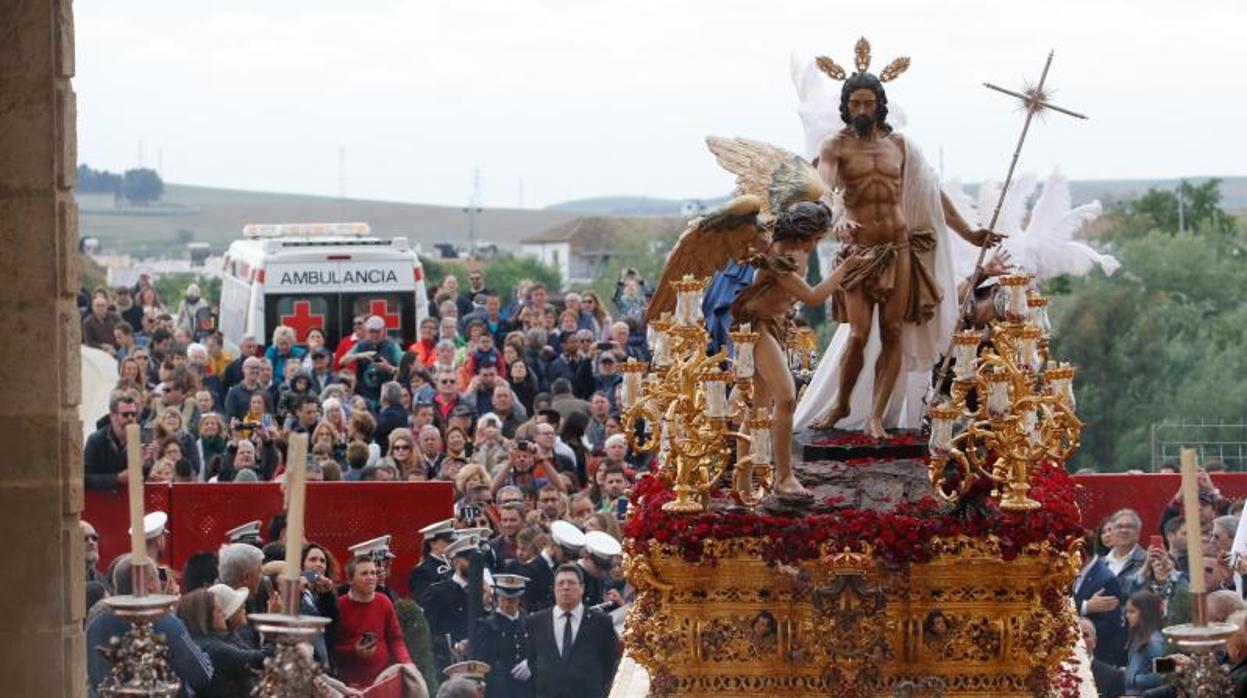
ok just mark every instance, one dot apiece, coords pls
pixel 1009 407
pixel 291 671
pixel 1205 677
pixel 696 429
pixel 140 658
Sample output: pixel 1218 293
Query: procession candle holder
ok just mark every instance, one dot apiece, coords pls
pixel 1038 305
pixel 997 403
pixel 743 341
pixel 1060 381
pixel 943 418
pixel 291 671
pixel 140 658
pixel 633 375
pixel 1206 677
pixel 1016 309
pixel 688 301
pixel 965 350
pixel 1028 348
pixel 714 385
pixel 662 340
pixel 760 437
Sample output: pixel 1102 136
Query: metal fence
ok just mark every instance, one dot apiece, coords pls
pixel 1213 439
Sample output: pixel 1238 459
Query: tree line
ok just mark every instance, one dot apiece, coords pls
pixel 138 186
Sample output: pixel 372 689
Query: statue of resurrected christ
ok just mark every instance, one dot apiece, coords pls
pixel 895 259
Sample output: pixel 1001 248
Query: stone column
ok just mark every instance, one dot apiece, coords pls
pixel 41 607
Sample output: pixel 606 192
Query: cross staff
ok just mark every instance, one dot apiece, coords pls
pixel 1035 101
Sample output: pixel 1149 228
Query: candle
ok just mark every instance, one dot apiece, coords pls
pixel 134 468
pixel 1190 508
pixel 296 480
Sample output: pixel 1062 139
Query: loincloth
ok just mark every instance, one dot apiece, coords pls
pixel 777 327
pixel 871 269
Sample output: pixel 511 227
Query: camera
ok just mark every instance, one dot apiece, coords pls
pixel 1164 665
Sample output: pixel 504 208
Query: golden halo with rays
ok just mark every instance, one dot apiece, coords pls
pixel 861 61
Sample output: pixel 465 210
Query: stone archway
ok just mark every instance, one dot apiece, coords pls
pixel 41 607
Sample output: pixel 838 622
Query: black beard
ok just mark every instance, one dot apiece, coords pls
pixel 863 124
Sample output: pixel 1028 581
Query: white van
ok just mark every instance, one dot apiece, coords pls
pixel 319 275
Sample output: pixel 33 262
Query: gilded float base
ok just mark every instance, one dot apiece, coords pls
pixel 965 623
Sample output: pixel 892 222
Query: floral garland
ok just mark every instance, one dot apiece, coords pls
pixel 901 536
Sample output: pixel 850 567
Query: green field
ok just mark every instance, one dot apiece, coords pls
pixel 216 216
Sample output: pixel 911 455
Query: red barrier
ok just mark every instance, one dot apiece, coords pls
pixel 340 514
pixel 1102 494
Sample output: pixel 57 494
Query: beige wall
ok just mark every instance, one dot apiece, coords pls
pixel 41 609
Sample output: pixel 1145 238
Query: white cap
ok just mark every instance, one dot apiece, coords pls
pixel 465 544
pixel 247 530
pixel 567 535
pixel 230 599
pixel 602 544
pixel 153 525
pixel 374 322
pixel 376 548
pixel 440 528
pixel 471 669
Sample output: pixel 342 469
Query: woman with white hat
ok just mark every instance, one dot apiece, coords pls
pixel 208 614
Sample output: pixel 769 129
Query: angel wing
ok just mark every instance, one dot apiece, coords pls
pixel 1046 247
pixel 776 176
pixel 706 245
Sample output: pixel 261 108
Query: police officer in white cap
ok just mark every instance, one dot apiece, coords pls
pixel 501 640
pixel 434 566
pixel 248 533
pixel 566 544
pixel 446 605
pixel 601 553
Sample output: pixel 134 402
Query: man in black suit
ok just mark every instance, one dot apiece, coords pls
pixel 1110 681
pixel 566 543
pixel 1097 596
pixel 573 650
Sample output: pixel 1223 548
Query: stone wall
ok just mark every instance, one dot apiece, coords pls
pixel 41 610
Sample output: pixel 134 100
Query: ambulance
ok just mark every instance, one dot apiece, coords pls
pixel 319 275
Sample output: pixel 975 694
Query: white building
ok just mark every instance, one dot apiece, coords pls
pixel 578 248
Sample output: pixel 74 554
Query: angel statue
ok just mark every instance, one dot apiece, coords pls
pixel 896 295
pixel 773 224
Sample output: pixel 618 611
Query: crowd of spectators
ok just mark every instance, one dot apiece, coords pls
pixel 514 399
pixel 1130 587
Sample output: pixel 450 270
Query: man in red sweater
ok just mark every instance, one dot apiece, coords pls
pixel 369 638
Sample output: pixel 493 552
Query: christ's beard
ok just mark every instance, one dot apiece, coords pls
pixel 863 124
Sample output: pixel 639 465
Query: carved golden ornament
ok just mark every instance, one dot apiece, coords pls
pixel 840 625
pixel 1023 415
pixel 861 61
pixel 696 430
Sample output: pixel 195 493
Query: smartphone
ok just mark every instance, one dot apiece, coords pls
pixel 163 573
pixel 1156 542
pixel 267 421
pixel 311 576
pixel 621 508
pixel 1164 665
pixel 604 346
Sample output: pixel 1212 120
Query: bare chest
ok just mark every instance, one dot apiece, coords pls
pixel 865 160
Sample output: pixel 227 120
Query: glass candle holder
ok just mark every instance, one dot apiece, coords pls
pixel 997 396
pixel 1014 285
pixel 965 350
pixel 714 384
pixel 633 376
pixel 943 417
pixel 743 340
pixel 1038 304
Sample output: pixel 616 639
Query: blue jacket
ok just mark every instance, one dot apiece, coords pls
pixel 187 660
pixel 1110 626
pixel 1139 674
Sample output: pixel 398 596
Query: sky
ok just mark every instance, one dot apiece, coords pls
pixel 553 100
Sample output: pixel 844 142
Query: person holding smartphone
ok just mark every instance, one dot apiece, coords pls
pixel 368 637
